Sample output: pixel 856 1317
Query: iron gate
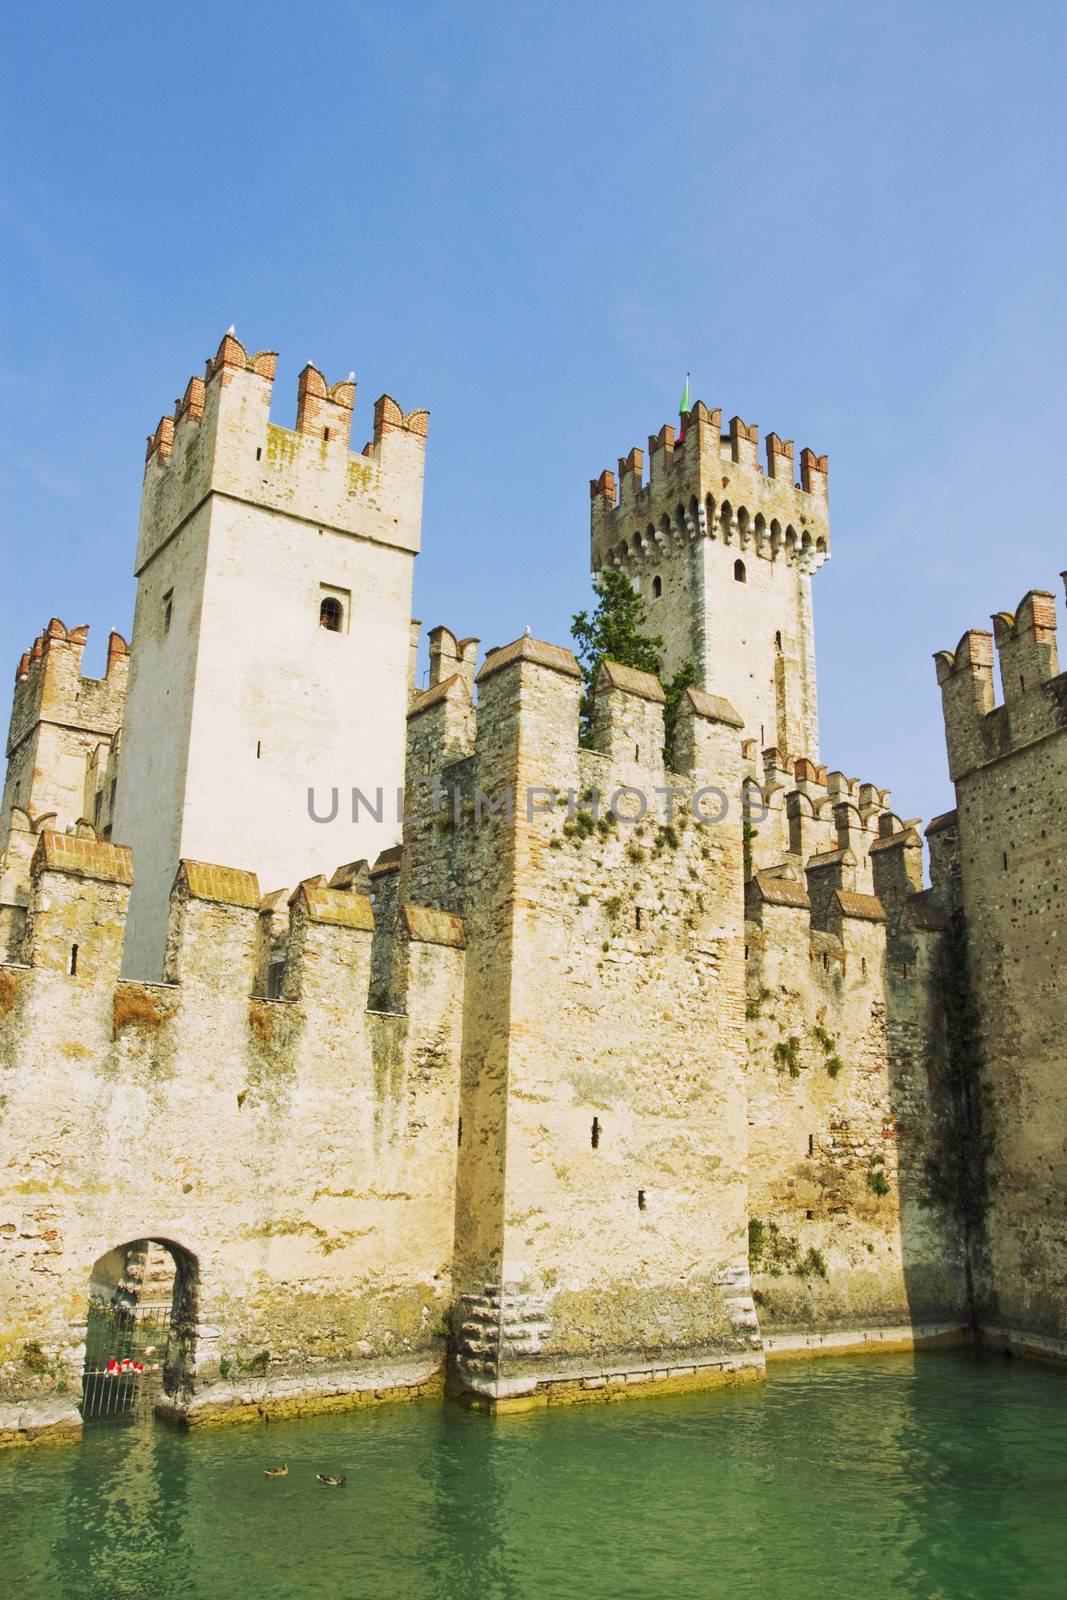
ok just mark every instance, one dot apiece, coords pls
pixel 125 1353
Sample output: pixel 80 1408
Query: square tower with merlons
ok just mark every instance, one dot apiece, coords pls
pixel 723 548
pixel 272 637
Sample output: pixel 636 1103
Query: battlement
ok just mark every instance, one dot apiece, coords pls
pixel 711 485
pixel 75 922
pixel 49 683
pixel 220 439
pixel 1034 692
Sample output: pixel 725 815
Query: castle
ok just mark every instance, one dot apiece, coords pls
pixel 571 1075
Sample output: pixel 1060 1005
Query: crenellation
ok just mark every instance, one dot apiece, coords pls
pixel 585 1073
pixel 995 864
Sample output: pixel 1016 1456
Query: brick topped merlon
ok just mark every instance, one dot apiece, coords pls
pixel 868 907
pixel 232 355
pixel 744 442
pixel 1026 644
pixel 82 858
pixel 230 886
pixel 780 458
pixel 713 707
pixel 629 680
pixel 340 908
pixel 814 473
pixel 324 411
pixel 425 925
pixel 388 418
pixel 973 654
pixel 536 651
pixel 603 487
pixel 807 771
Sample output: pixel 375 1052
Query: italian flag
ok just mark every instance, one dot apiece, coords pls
pixel 683 409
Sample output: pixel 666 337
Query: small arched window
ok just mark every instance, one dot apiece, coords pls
pixel 331 614
pixel 739 571
pixel 657 587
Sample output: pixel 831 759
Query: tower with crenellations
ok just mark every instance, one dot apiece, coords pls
pixel 723 549
pixel 630 1053
pixel 272 633
pixel 1006 842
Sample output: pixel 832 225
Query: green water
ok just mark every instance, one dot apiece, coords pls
pixel 934 1476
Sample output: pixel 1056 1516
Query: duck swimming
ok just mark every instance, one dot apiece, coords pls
pixel 328 1478
pixel 276 1472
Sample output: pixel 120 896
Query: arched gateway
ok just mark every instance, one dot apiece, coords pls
pixel 141 1329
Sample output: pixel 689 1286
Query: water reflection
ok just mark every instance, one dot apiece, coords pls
pixel 922 1476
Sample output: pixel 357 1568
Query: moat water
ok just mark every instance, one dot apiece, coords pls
pixel 938 1476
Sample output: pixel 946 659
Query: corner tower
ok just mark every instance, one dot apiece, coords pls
pixel 272 633
pixel 723 550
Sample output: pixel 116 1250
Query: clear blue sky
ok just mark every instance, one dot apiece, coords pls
pixel 846 219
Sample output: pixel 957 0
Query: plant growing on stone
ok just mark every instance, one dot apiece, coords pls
pixel 787 1055
pixel 876 1175
pixel 813 1265
pixel 617 630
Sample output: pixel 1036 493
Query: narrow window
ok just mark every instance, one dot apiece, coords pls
pixel 825 962
pixel 259 454
pixel 259 748
pixel 459 1131
pixel 326 434
pixel 637 918
pixel 641 1200
pixel 331 614
pixel 657 588
pixel 778 639
pixel 1005 861
pixel 594 1136
pixel 811 1144
pixel 275 980
pixel 1022 681
pixel 810 1215
pixel 72 966
pixel 168 609
pixel 739 571
pixel 637 752
pixel 98 806
pixel 863 963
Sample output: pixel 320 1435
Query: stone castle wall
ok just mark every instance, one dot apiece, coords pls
pixel 297 1155
pixel 1008 836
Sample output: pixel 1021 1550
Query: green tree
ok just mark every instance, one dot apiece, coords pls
pixel 617 630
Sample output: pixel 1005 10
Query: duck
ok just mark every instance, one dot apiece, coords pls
pixel 328 1478
pixel 276 1472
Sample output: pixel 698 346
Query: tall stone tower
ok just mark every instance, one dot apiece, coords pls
pixel 723 551
pixel 272 634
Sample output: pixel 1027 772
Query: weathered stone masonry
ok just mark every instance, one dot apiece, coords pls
pixel 581 1086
